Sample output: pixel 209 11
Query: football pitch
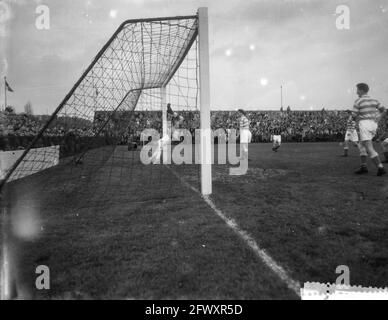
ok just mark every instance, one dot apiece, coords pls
pixel 113 228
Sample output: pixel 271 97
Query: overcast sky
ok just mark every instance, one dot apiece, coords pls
pixel 255 47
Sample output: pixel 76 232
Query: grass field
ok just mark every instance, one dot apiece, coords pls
pixel 113 228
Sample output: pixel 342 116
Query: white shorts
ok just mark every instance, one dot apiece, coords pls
pixel 245 136
pixel 277 139
pixel 368 130
pixel 351 135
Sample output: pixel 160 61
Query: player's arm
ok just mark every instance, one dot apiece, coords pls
pixel 355 111
pixel 238 128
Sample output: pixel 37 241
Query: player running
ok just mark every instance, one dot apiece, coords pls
pixel 276 140
pixel 351 134
pixel 367 112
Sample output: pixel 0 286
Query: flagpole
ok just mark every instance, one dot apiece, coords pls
pixel 5 93
pixel 281 96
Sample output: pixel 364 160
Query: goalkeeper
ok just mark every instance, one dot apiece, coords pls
pixel 171 135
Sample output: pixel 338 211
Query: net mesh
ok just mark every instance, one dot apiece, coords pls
pixel 88 153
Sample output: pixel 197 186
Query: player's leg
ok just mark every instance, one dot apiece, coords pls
pixel 276 144
pixel 273 143
pixel 247 145
pixel 244 139
pixel 244 151
pixel 364 156
pixel 346 148
pixel 368 130
pixel 384 145
pixel 156 156
pixel 375 157
pixel 355 140
pixel 346 144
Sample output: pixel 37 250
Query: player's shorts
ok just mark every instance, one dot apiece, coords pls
pixel 368 130
pixel 277 140
pixel 351 135
pixel 245 136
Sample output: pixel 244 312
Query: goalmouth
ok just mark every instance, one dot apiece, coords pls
pixel 146 64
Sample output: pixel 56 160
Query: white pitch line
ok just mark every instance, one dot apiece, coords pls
pixel 4 268
pixel 261 253
pixel 4 272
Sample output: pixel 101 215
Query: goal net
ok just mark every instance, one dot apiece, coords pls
pixel 148 77
pixel 145 66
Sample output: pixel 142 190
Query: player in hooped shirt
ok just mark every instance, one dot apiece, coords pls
pixel 351 134
pixel 368 112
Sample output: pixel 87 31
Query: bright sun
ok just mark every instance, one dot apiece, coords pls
pixel 264 82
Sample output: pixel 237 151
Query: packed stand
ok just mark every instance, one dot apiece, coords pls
pixel 18 130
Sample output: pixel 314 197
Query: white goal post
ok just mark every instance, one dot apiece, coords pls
pixel 204 80
pixel 204 96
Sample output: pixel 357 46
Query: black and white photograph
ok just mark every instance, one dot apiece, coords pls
pixel 199 151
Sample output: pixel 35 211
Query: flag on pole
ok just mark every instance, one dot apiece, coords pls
pixel 7 86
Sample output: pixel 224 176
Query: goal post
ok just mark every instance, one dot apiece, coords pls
pixel 204 81
pixel 204 97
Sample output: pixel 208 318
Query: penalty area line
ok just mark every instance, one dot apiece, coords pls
pixel 248 239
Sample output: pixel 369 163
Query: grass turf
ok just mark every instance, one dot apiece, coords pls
pixel 112 228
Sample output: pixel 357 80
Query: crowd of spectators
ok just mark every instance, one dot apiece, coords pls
pixel 18 130
pixel 294 126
